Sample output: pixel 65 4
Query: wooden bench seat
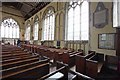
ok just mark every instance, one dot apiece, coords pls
pixel 15 56
pixel 32 73
pixel 11 57
pixel 18 59
pixel 12 49
pixel 70 58
pixel 17 63
pixel 22 67
pixel 5 53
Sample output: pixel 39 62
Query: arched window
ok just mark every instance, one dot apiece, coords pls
pixel 77 21
pixel 48 26
pixel 27 32
pixel 9 28
pixel 35 29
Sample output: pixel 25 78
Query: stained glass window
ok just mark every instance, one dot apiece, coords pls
pixel 9 28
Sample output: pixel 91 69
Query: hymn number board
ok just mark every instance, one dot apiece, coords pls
pixel 106 41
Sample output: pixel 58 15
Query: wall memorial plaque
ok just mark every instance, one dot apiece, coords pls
pixel 100 16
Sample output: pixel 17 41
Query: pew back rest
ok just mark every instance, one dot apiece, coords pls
pixel 89 55
pixel 17 63
pixel 18 59
pixel 97 57
pixel 91 51
pixel 33 73
pixel 69 59
pixel 100 57
pixel 21 67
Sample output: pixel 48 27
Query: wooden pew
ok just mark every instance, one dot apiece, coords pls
pixel 94 65
pixel 11 49
pixel 15 56
pixel 57 56
pixel 81 62
pixel 17 63
pixel 60 74
pixel 18 59
pixel 32 73
pixel 69 58
pixel 5 53
pixel 13 70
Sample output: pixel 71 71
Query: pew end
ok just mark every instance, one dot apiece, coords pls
pixel 91 68
pixel 80 64
pixel 61 73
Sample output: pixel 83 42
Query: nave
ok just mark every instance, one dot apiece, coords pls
pixel 34 62
pixel 60 40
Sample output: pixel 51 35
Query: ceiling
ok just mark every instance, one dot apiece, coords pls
pixel 27 9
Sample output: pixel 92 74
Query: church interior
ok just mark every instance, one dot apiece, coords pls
pixel 55 40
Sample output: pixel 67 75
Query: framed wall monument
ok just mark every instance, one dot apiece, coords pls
pixel 100 16
pixel 106 41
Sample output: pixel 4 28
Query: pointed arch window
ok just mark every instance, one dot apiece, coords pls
pixel 9 28
pixel 77 21
pixel 27 32
pixel 48 25
pixel 36 29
